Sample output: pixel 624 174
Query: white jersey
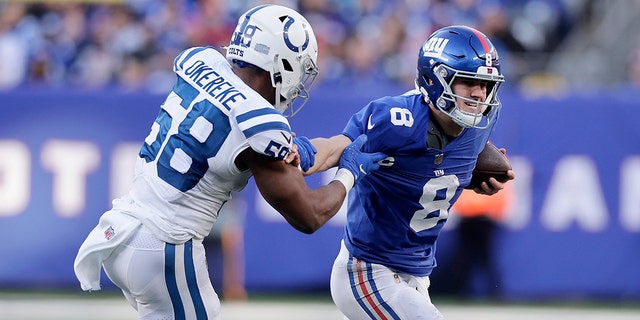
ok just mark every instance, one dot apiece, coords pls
pixel 186 168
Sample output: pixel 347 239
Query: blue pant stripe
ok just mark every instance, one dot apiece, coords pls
pixel 383 303
pixel 192 282
pixel 354 287
pixel 170 279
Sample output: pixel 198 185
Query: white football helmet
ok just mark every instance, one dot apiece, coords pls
pixel 280 41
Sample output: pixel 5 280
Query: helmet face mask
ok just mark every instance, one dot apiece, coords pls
pixel 280 41
pixel 459 52
pixel 286 101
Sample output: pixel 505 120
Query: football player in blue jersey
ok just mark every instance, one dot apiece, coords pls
pixel 432 135
pixel 223 122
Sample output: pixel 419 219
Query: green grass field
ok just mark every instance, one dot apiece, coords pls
pixel 112 306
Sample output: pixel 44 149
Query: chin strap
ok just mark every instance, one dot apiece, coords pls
pixel 277 83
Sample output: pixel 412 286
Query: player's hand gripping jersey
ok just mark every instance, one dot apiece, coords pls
pixel 396 213
pixel 186 167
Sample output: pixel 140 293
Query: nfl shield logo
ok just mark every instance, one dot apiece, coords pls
pixel 438 159
pixel 109 233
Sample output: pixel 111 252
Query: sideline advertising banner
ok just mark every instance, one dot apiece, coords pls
pixel 573 230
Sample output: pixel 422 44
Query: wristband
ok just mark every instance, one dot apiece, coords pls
pixel 345 177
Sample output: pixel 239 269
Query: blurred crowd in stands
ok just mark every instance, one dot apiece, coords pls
pixel 132 43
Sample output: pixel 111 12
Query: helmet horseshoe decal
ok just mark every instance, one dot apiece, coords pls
pixel 290 45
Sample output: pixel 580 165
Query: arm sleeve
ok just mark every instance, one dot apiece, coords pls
pixel 267 131
pixel 357 123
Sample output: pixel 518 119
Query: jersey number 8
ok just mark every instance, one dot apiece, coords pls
pixel 435 202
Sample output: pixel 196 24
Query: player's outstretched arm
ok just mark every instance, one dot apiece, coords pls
pixel 328 151
pixel 284 188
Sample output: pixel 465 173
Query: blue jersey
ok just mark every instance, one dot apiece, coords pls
pixel 396 213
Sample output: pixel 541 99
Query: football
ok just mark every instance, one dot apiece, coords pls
pixel 491 163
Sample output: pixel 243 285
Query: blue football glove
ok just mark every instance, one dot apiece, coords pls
pixel 355 164
pixel 307 152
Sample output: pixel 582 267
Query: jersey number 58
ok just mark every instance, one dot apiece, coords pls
pixel 189 144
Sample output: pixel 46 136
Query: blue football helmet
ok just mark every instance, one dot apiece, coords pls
pixel 459 51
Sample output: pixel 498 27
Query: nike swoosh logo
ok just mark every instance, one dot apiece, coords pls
pixel 362 169
pixel 286 137
pixel 369 124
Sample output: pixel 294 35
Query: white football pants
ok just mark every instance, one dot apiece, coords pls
pixel 363 291
pixel 164 281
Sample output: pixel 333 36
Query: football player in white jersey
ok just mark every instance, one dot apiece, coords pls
pixel 433 136
pixel 223 122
